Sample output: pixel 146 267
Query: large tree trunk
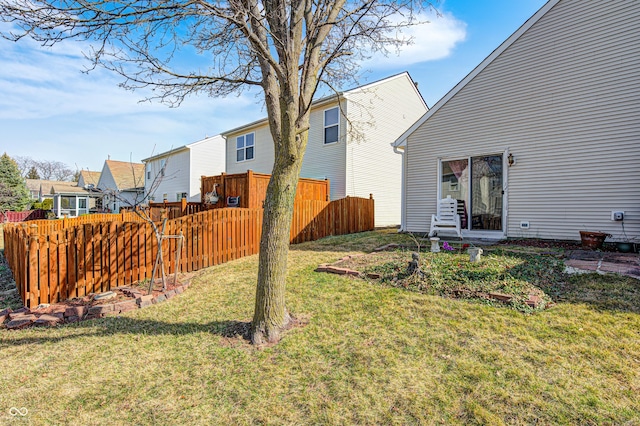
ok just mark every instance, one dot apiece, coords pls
pixel 271 315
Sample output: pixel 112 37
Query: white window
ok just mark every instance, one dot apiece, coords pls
pixel 163 164
pixel 331 125
pixel 148 171
pixel 164 197
pixel 180 196
pixel 244 147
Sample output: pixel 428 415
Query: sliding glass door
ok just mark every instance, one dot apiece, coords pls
pixel 478 190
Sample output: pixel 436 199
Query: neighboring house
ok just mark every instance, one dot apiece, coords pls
pixel 88 179
pixel 542 139
pixel 70 200
pixel 33 185
pixel 349 137
pixel 122 184
pixel 40 189
pixel 175 174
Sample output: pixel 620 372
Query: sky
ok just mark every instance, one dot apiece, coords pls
pixel 51 110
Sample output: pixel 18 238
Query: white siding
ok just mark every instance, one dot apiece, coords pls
pixel 263 154
pixel 320 161
pixel 565 100
pixel 362 162
pixel 207 158
pixel 175 179
pixel 378 116
pixel 108 184
pixel 326 161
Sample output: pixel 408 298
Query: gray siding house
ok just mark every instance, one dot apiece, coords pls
pixel 542 139
pixel 349 137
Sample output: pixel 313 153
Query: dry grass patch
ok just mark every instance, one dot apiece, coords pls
pixel 369 354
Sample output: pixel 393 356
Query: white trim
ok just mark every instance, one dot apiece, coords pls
pixel 505 166
pixel 485 63
pixel 483 234
pixel 181 148
pixel 324 126
pixel 244 148
pixel 505 190
pixel 403 189
pixel 322 101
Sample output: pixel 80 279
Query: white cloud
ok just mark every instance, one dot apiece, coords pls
pixel 49 109
pixel 434 39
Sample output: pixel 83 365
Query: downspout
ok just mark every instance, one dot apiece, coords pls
pixel 400 150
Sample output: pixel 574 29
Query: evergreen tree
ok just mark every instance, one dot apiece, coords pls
pixel 33 173
pixel 14 194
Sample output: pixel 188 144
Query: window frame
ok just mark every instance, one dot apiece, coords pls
pixel 245 147
pixel 325 126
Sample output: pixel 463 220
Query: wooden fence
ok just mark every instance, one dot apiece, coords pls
pixel 50 265
pixel 22 216
pixel 46 226
pixel 174 210
pixel 252 189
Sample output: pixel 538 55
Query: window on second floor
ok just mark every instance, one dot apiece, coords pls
pixel 180 196
pixel 163 165
pixel 148 171
pixel 244 147
pixel 331 125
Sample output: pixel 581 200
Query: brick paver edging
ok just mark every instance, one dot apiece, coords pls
pixel 57 314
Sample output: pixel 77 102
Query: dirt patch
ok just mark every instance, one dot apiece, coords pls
pixel 238 333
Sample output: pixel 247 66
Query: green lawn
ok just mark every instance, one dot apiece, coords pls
pixel 369 354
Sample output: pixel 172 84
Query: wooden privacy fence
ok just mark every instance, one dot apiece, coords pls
pixel 173 210
pixel 53 265
pixel 45 226
pixel 252 189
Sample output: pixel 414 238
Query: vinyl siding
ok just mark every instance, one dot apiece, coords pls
pixel 320 161
pixel 564 98
pixel 124 198
pixel 207 158
pixel 327 161
pixel 378 116
pixel 175 179
pixel 263 153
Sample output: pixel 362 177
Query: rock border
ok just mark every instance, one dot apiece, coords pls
pixel 61 313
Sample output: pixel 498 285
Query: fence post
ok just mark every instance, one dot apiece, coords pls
pixel 250 190
pixel 201 189
pixel 183 206
pixel 31 298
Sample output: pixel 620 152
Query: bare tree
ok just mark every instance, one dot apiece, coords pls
pixel 286 48
pixel 137 202
pixel 45 169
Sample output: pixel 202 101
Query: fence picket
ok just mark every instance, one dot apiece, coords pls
pixel 51 262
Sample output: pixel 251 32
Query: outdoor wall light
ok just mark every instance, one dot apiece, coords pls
pixel 511 159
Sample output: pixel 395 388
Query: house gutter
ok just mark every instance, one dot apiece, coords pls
pixel 398 148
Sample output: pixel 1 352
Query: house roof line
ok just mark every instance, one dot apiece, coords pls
pixel 126 175
pixel 402 140
pixel 325 100
pixel 178 149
